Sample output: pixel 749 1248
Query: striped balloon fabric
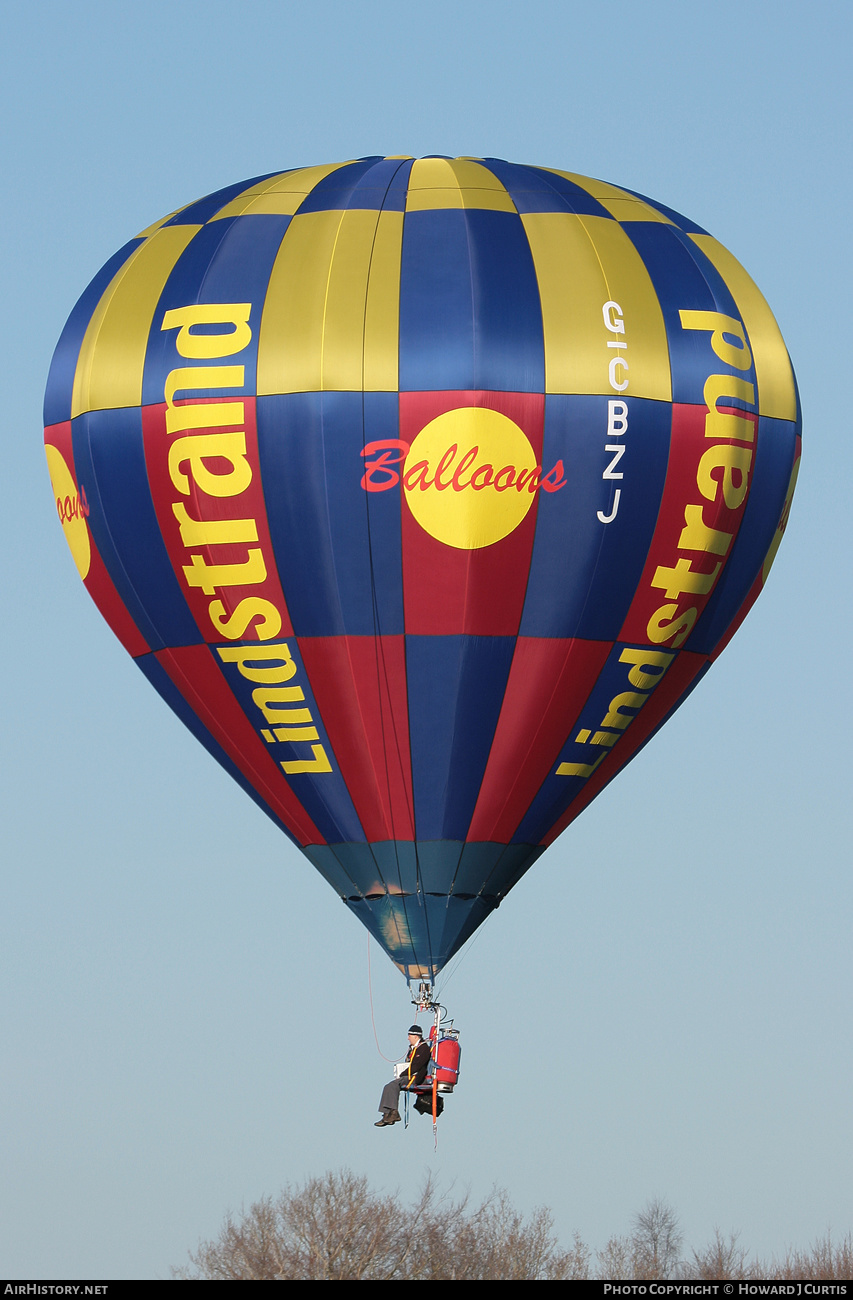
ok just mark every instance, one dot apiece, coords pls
pixel 423 491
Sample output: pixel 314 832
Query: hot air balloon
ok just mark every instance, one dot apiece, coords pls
pixel 423 491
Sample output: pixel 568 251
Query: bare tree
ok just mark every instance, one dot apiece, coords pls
pixel 333 1227
pixel 336 1228
pixel 824 1261
pixel 495 1242
pixel 722 1258
pixel 616 1261
pixel 656 1240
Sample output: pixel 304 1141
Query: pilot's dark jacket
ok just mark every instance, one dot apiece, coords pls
pixel 417 1059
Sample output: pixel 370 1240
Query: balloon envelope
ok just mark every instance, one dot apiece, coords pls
pixel 423 491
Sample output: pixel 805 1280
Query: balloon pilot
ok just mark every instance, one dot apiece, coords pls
pixel 412 1076
pixel 413 1072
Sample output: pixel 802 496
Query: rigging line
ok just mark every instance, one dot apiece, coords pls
pixel 324 450
pixel 453 966
pixel 379 873
pixel 372 1019
pixel 469 565
pixel 382 675
pixel 541 430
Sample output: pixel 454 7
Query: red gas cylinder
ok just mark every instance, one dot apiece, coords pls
pixel 446 1054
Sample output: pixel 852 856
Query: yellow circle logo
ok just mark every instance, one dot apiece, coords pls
pixel 72 509
pixel 470 477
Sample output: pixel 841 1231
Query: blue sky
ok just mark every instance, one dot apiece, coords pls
pixel 663 1006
